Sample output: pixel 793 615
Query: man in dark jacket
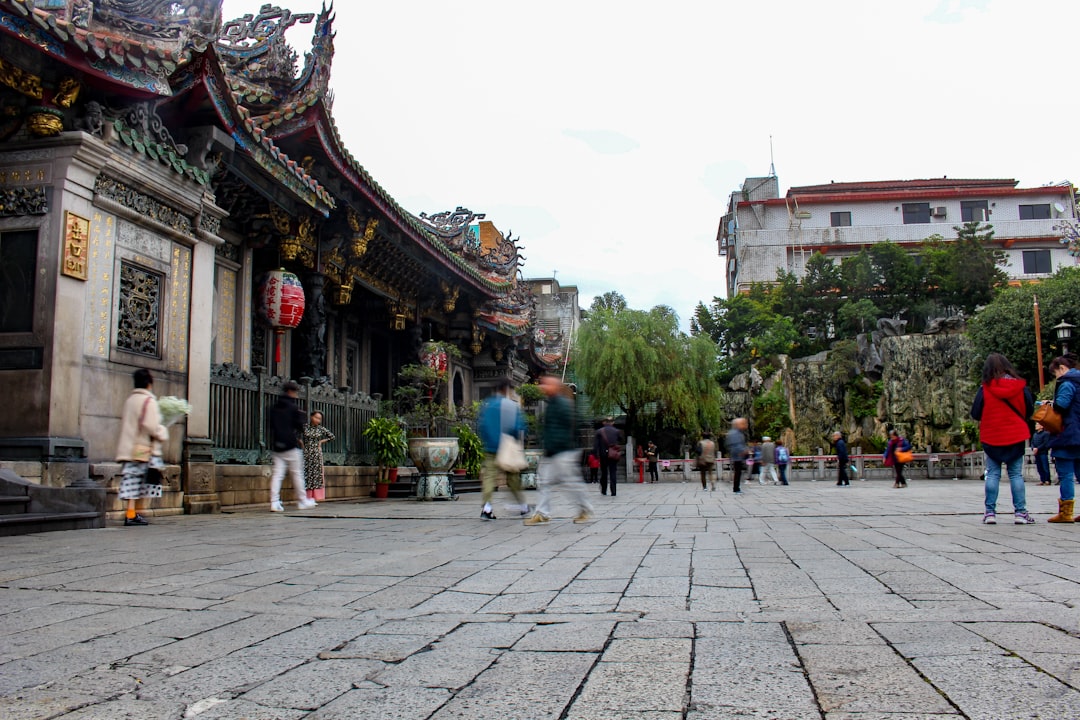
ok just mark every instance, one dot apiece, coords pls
pixel 286 422
pixel 841 459
pixel 558 468
pixel 606 438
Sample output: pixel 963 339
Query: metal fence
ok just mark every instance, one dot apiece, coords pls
pixel 239 401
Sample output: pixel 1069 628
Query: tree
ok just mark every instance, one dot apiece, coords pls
pixel 975 268
pixel 630 359
pixel 610 300
pixel 744 328
pixel 1007 324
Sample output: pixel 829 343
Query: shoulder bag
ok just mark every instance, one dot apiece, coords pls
pixel 510 456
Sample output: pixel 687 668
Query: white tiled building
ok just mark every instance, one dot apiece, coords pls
pixel 763 232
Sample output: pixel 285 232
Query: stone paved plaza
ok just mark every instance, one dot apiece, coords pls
pixel 810 601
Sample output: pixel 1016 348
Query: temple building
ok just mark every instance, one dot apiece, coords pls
pixel 159 166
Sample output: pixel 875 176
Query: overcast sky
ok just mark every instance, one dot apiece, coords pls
pixel 608 135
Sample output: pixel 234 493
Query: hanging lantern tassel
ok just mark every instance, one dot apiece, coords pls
pixel 278 332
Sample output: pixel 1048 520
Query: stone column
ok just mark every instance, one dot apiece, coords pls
pixel 197 466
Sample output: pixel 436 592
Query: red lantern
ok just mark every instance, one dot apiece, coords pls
pixel 282 304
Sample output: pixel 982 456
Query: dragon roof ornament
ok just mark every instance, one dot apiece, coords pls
pixel 457 229
pixel 262 66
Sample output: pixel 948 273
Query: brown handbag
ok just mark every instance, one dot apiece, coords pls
pixel 1049 418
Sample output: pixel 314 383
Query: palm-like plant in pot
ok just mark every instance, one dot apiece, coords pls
pixel 388 442
pixel 470 450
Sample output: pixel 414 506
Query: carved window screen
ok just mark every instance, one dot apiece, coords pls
pixel 139 328
pixel 18 262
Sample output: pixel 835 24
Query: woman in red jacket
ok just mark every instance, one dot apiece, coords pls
pixel 1002 406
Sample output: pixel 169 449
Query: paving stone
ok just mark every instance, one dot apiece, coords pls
pixel 313 684
pixel 581 636
pixel 643 685
pixel 405 703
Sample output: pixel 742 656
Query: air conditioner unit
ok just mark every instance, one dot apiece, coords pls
pixel 938 212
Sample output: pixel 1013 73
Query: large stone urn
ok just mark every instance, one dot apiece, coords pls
pixel 528 475
pixel 434 457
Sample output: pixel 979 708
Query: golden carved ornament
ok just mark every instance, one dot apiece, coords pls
pixel 67 92
pixel 290 247
pixel 450 295
pixel 477 340
pixel 44 122
pixel 19 80
pixel 280 218
pixel 343 293
pixel 306 230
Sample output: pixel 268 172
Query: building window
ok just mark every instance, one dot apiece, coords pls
pixel 139 329
pixel 974 211
pixel 18 262
pixel 915 213
pixel 1037 262
pixel 1035 212
pixel 840 219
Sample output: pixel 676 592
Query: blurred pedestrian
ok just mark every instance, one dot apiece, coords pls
pixel 558 466
pixel 500 415
pixel 705 452
pixel 736 450
pixel 139 446
pixel 1002 406
pixel 594 467
pixel 286 421
pixel 768 460
pixel 315 435
pixel 896 443
pixel 1065 445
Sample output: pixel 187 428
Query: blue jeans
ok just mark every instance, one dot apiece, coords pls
pixel 1066 470
pixel 1016 483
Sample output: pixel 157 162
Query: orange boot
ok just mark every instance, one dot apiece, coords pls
pixel 1065 512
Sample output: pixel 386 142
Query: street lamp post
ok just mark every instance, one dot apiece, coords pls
pixel 1064 334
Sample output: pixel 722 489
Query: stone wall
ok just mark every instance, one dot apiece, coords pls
pixel 926 389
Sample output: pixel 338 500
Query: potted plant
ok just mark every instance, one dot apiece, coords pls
pixel 470 450
pixel 388 441
pixel 420 398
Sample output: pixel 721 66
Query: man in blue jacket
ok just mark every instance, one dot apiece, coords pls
pixel 499 415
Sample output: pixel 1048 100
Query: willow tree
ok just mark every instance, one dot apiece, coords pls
pixel 629 359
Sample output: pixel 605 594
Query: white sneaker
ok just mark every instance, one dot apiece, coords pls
pixel 277 507
pixel 305 504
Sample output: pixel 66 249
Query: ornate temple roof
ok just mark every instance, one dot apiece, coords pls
pixel 155 51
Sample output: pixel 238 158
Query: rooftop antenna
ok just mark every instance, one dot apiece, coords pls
pixel 772 161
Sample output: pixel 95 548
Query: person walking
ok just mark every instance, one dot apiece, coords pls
pixel 840 445
pixel 315 435
pixel 753 458
pixel 652 457
pixel 783 457
pixel 736 450
pixel 1065 445
pixel 139 445
pixel 286 421
pixel 1002 406
pixel 768 460
pixel 607 447
pixel 705 452
pixel 557 467
pixel 499 415
pixel 1040 450
pixel 896 442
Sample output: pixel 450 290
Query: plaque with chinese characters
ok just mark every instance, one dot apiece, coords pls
pixel 76 242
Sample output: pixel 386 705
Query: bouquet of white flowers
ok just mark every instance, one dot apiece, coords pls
pixel 173 409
